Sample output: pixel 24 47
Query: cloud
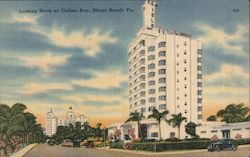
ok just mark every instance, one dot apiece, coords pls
pixel 228 85
pixel 17 18
pixel 231 42
pixel 45 62
pixel 228 75
pixel 89 42
pixel 103 80
pixel 36 88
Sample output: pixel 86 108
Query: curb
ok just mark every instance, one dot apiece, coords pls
pixel 163 153
pixel 24 151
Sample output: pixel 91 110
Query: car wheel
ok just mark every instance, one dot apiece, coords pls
pixel 218 149
pixel 234 148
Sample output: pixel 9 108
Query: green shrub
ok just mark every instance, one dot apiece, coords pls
pixel 244 141
pixel 116 145
pixel 164 146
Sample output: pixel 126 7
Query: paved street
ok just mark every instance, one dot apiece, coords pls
pixel 43 150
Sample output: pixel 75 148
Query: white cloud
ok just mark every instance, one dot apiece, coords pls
pixel 231 74
pixel 103 80
pixel 217 36
pixel 45 62
pixel 229 83
pixel 91 42
pixel 35 88
pixel 16 18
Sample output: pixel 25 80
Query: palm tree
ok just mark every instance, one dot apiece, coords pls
pixel 158 116
pixel 212 118
pixel 12 120
pixel 136 117
pixel 233 113
pixel 30 126
pixel 176 120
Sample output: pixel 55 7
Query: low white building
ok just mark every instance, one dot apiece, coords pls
pixel 224 130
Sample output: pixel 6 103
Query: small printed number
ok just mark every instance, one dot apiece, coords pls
pixel 236 10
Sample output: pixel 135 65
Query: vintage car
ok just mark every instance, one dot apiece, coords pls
pixel 67 143
pixel 223 144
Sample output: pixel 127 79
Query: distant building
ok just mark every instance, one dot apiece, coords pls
pixel 82 119
pixel 224 130
pixel 70 118
pixel 51 123
pixel 60 121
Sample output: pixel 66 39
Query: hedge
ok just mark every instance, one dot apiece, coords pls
pixel 165 146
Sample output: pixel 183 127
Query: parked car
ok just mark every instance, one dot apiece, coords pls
pixel 51 142
pixel 67 143
pixel 223 144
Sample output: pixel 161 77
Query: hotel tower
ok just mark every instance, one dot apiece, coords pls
pixel 165 71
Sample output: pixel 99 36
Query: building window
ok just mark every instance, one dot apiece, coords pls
pixel 200 51
pixel 185 69
pixel 142 77
pixel 151 99
pixel 185 43
pixel 178 72
pixel 162 53
pixel 185 61
pixel 185 52
pixel 199 60
pixel 199 84
pixel 143 101
pixel 199 76
pixel 151 74
pixel 185 78
pixel 142 61
pixel 151 48
pixel 151 108
pixel 185 95
pixel 199 116
pixel 151 66
pixel 151 91
pixel 142 52
pixel 200 68
pixel 143 109
pixel 151 57
pixel 178 55
pixel 151 83
pixel 162 71
pixel 142 93
pixel 162 89
pixel 135 104
pixel 199 100
pixel 162 62
pixel 162 80
pixel 203 132
pixel 142 85
pixel 162 106
pixel 162 97
pixel 214 131
pixel 185 104
pixel 199 108
pixel 185 86
pixel 154 134
pixel 142 42
pixel 162 44
pixel 199 92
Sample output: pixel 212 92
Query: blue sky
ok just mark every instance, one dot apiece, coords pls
pixel 57 60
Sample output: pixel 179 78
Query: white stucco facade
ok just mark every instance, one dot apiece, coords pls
pixel 224 130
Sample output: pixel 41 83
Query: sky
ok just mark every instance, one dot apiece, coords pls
pixel 79 59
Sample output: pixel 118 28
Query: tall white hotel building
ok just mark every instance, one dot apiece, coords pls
pixel 165 72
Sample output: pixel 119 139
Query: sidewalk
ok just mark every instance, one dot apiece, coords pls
pixel 140 152
pixel 23 151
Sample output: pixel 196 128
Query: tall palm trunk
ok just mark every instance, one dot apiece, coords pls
pixel 179 131
pixel 139 128
pixel 159 130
